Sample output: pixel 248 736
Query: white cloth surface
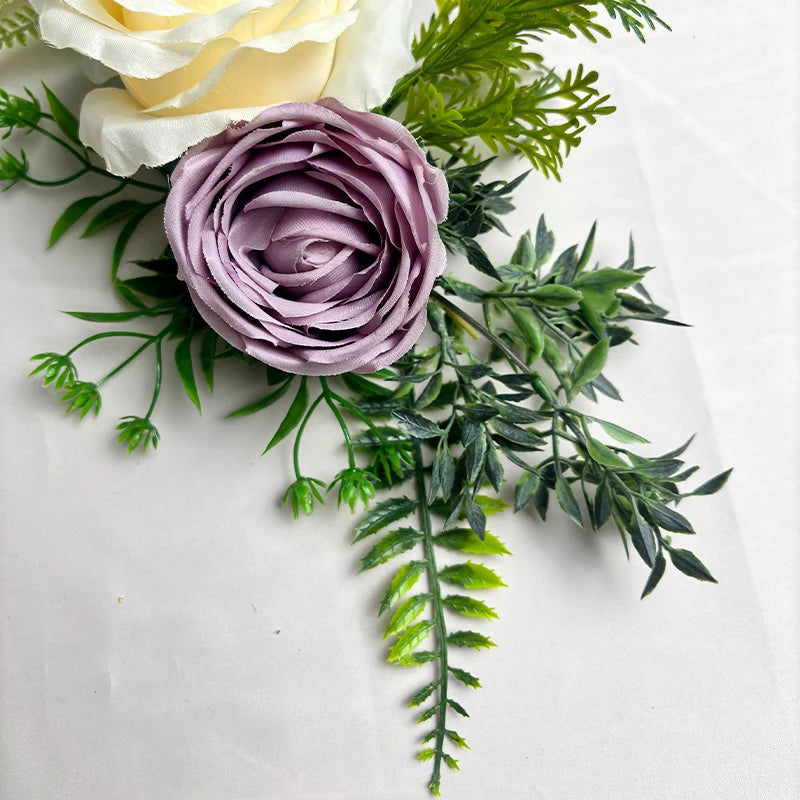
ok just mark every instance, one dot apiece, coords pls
pixel 168 633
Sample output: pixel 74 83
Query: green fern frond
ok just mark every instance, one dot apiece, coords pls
pixel 18 23
pixel 470 84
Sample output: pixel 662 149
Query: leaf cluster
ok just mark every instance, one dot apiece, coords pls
pixel 498 396
pixel 18 23
pixel 479 79
pixel 418 624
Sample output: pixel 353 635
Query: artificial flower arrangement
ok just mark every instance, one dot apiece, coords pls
pixel 316 166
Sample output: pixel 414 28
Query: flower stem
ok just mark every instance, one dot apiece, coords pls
pixel 61 182
pixel 510 355
pixel 157 385
pixel 124 364
pixel 329 399
pixel 89 167
pixel 300 430
pixel 438 610
pixel 107 335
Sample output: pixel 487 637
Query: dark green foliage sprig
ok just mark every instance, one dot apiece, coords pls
pixel 473 83
pixel 120 206
pixel 496 399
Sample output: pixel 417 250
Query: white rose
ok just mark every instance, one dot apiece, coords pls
pixel 192 67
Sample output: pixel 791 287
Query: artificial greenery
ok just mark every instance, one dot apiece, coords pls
pixel 18 23
pixel 479 79
pixel 488 412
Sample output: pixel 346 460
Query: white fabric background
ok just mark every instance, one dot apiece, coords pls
pixel 168 633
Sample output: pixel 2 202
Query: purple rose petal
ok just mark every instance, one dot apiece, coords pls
pixel 308 238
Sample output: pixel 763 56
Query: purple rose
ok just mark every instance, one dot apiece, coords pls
pixel 308 238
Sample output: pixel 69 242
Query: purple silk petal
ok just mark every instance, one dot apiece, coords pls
pixel 308 238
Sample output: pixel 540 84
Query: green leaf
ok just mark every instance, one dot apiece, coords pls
pixel 125 235
pixel 590 366
pixel 100 316
pixel 712 486
pixel 430 392
pixel 165 265
pixel 602 504
pixel 494 469
pixel 655 575
pixel 384 513
pixel 120 210
pixel 262 403
pixel 566 499
pixel 490 505
pixel 525 255
pixel 511 273
pixel 161 287
pixel 391 545
pixel 360 385
pixel 476 517
pixel 422 695
pixel 403 581
pixel 643 537
pixel 525 490
pixel 586 253
pixel 443 473
pixel 63 117
pixel 416 425
pixel 555 295
pixel 602 454
pixel 293 416
pixel 410 640
pixel 531 330
pixel 545 241
pixel 465 678
pixel 449 760
pixel 71 215
pixel 475 456
pixel 457 707
pixel 669 519
pixel 469 607
pixel 457 739
pixel 607 279
pixel 183 363
pixel 208 349
pixel 466 540
pixel 471 576
pixel 619 433
pixel 689 564
pixel 516 434
pixel 470 639
pixel 419 658
pixel 406 613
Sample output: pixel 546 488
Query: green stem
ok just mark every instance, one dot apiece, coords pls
pixel 359 415
pixel 97 170
pixel 441 630
pixel 157 386
pixel 61 182
pixel 107 335
pixel 510 355
pixel 124 364
pixel 300 430
pixel 328 395
pixel 399 93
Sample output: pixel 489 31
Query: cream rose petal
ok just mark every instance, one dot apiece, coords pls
pixel 85 26
pixel 114 125
pixel 320 31
pixel 370 55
